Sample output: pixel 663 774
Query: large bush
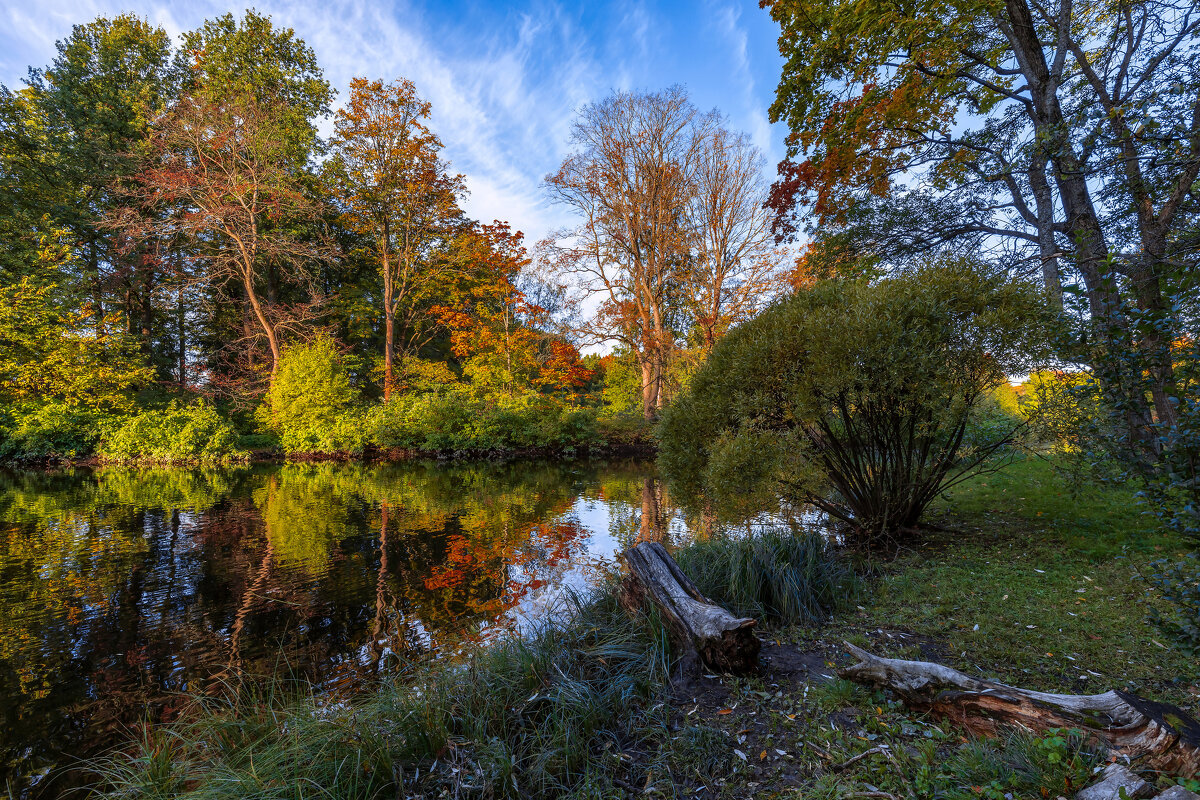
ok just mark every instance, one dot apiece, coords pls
pixel 857 397
pixel 178 434
pixel 458 420
pixel 309 404
pixel 35 431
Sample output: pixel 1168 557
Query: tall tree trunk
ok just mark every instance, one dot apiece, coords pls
pixel 1044 207
pixel 389 319
pixel 649 386
pixel 1108 324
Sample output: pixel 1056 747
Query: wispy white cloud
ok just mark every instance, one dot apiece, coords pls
pixel 751 113
pixel 505 86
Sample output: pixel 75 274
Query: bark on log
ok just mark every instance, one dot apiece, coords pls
pixel 721 640
pixel 1162 735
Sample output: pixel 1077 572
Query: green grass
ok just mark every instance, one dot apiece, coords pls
pixel 1037 584
pixel 1018 545
pixel 541 716
pixel 776 575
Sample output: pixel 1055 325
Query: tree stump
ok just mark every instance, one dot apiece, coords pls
pixel 721 641
pixel 1164 736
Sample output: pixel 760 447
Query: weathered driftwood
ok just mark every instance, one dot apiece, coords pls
pixel 721 640
pixel 1161 735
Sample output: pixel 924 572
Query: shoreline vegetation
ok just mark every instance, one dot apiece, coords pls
pixel 605 438
pixel 1048 592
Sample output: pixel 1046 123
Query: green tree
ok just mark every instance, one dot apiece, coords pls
pixel 225 59
pixel 857 397
pixel 77 130
pixel 1066 136
pixel 53 352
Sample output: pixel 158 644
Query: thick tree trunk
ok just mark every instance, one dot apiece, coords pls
pixel 1163 735
pixel 650 384
pixel 719 639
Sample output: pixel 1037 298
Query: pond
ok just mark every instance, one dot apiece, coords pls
pixel 125 591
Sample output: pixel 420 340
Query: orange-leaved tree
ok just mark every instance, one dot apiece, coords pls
pixel 394 187
pixel 500 334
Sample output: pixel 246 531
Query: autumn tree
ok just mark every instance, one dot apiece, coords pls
pixel 629 182
pixel 736 268
pixel 221 166
pixel 396 189
pixel 1065 136
pixel 502 335
pixel 670 231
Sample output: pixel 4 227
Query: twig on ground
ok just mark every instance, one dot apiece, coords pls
pixel 857 758
pixel 819 751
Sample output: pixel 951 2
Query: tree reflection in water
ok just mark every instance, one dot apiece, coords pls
pixel 123 591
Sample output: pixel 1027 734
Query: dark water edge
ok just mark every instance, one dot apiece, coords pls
pixel 125 592
pixel 637 447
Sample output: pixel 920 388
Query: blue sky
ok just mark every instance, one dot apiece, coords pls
pixel 505 79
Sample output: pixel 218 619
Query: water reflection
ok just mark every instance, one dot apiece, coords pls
pixel 123 590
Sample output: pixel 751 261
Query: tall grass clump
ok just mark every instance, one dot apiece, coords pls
pixel 783 576
pixel 539 716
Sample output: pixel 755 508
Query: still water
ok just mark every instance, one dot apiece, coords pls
pixel 124 591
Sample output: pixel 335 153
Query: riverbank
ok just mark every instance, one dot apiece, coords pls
pixel 1028 583
pixel 180 435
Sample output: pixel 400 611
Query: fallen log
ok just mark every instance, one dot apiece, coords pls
pixel 1162 736
pixel 721 641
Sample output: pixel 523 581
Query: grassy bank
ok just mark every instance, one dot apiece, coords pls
pixel 587 712
pixel 995 594
pixel 550 715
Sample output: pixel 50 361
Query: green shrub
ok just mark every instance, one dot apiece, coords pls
pixel 458 420
pixel 856 397
pixel 30 431
pixel 779 575
pixel 1179 585
pixel 309 403
pixel 193 433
